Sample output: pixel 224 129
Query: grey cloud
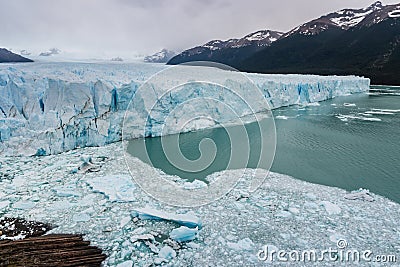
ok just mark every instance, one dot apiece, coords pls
pixel 123 27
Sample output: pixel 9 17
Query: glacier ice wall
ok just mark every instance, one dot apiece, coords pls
pixel 48 108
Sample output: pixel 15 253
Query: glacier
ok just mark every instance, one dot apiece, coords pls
pixel 49 108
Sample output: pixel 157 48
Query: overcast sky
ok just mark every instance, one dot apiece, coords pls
pixel 107 28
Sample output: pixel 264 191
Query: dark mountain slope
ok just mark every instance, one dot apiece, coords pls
pixel 8 56
pixel 372 51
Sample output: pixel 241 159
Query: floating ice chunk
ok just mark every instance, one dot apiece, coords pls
pixel 4 204
pixel 387 110
pixel 81 217
pixel 118 188
pixel 188 219
pixel 124 221
pixel 369 119
pixel 142 237
pixel 283 214
pixel 66 191
pixel 349 105
pixel 244 244
pixel 61 205
pixel 354 117
pixel 183 234
pixel 311 196
pixel 196 184
pixel 167 253
pixel 158 261
pixel 330 207
pixel 193 245
pixel 24 205
pixel 139 231
pixel 379 113
pixel 361 194
pixel 310 206
pixel 315 104
pixel 294 210
pixel 281 117
pixel 125 264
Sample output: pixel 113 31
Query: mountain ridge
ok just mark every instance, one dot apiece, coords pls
pixel 349 41
pixel 7 56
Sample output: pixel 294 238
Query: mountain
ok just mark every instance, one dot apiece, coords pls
pixel 351 41
pixel 50 52
pixel 8 56
pixel 160 57
pixel 343 19
pixel 230 51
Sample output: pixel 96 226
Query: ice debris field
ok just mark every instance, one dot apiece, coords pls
pixel 88 191
pixel 48 108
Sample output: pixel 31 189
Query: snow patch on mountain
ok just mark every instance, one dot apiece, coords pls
pixel 160 57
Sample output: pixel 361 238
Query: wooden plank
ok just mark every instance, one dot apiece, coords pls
pixel 61 250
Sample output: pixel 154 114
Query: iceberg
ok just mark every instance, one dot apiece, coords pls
pixel 49 108
pixel 185 219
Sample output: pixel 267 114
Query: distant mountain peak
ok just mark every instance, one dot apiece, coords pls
pixel 217 50
pixel 376 6
pixel 258 38
pixel 8 56
pixel 160 57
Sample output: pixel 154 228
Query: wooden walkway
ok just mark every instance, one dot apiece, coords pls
pixel 48 250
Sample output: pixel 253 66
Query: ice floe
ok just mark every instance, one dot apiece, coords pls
pixel 188 219
pixel 361 194
pixel 119 188
pixel 331 208
pixel 183 234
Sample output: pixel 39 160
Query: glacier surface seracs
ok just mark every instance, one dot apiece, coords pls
pixel 48 108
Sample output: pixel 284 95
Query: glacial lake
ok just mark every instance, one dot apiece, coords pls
pixel 349 142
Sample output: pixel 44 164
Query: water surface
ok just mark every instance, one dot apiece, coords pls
pixel 349 142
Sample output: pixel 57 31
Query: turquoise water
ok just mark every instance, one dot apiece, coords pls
pixel 348 142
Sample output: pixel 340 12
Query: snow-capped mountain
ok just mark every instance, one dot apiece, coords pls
pixel 160 57
pixel 259 38
pixel 348 18
pixel 8 56
pixel 229 50
pixel 350 41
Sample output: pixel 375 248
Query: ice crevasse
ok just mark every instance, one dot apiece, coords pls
pixel 49 108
